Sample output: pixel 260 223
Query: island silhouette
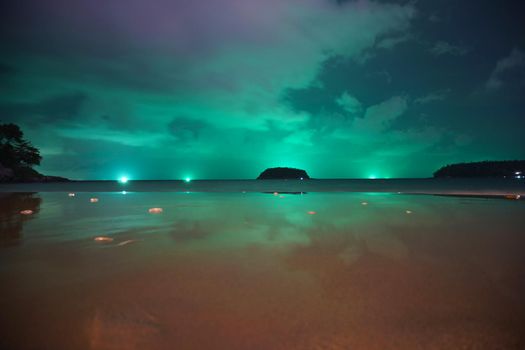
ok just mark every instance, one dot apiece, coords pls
pixel 283 173
pixel 501 169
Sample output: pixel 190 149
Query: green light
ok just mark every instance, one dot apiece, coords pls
pixel 372 177
pixel 123 179
pixel 187 179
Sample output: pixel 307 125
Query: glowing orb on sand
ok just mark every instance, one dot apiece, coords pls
pixel 513 196
pixel 103 239
pixel 26 212
pixel 155 210
pixel 93 200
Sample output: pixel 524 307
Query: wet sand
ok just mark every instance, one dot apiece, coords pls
pixel 260 272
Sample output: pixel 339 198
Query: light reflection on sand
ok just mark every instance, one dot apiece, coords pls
pixel 255 271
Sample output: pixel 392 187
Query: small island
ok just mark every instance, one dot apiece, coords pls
pixel 502 169
pixel 281 173
pixel 18 156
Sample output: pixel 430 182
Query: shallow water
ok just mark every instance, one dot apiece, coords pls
pixel 261 271
pixel 472 186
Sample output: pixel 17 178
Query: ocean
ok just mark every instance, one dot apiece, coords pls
pixel 429 186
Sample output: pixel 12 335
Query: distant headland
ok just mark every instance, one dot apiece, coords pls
pixel 18 156
pixel 283 174
pixel 501 169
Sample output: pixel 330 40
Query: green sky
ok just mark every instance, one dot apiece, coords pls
pixel 224 89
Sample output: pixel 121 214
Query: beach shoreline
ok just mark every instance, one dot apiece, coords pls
pixel 456 187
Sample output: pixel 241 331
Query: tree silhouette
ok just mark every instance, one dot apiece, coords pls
pixel 15 152
pixel 504 168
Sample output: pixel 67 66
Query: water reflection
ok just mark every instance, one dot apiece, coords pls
pixel 255 271
pixel 15 209
pixel 188 230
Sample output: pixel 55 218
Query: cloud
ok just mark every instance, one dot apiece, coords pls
pixel 434 18
pixel 392 41
pixel 300 138
pixel 6 70
pixel 513 64
pixel 374 137
pixel 432 97
pixel 55 109
pixel 210 76
pixel 445 48
pixel 186 129
pixel 378 117
pixel 226 57
pixel 349 103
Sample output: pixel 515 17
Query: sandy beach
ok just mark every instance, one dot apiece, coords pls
pixel 259 271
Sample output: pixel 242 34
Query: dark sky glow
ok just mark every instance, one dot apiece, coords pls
pixel 166 89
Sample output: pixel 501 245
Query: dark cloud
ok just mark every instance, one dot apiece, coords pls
pixel 445 48
pixel 57 109
pixel 6 70
pixel 186 129
pixel 508 70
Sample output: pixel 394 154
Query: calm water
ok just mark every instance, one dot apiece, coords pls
pixel 443 186
pixel 261 271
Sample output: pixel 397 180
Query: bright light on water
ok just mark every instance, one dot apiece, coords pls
pixel 187 179
pixel 123 179
pixel 372 177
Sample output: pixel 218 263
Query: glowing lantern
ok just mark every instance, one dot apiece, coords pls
pixel 103 239
pixel 155 210
pixel 93 200
pixel 26 212
pixel 513 196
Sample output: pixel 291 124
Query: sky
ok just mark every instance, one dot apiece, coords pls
pixel 222 89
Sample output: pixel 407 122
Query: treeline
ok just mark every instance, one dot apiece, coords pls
pixel 506 168
pixel 18 157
